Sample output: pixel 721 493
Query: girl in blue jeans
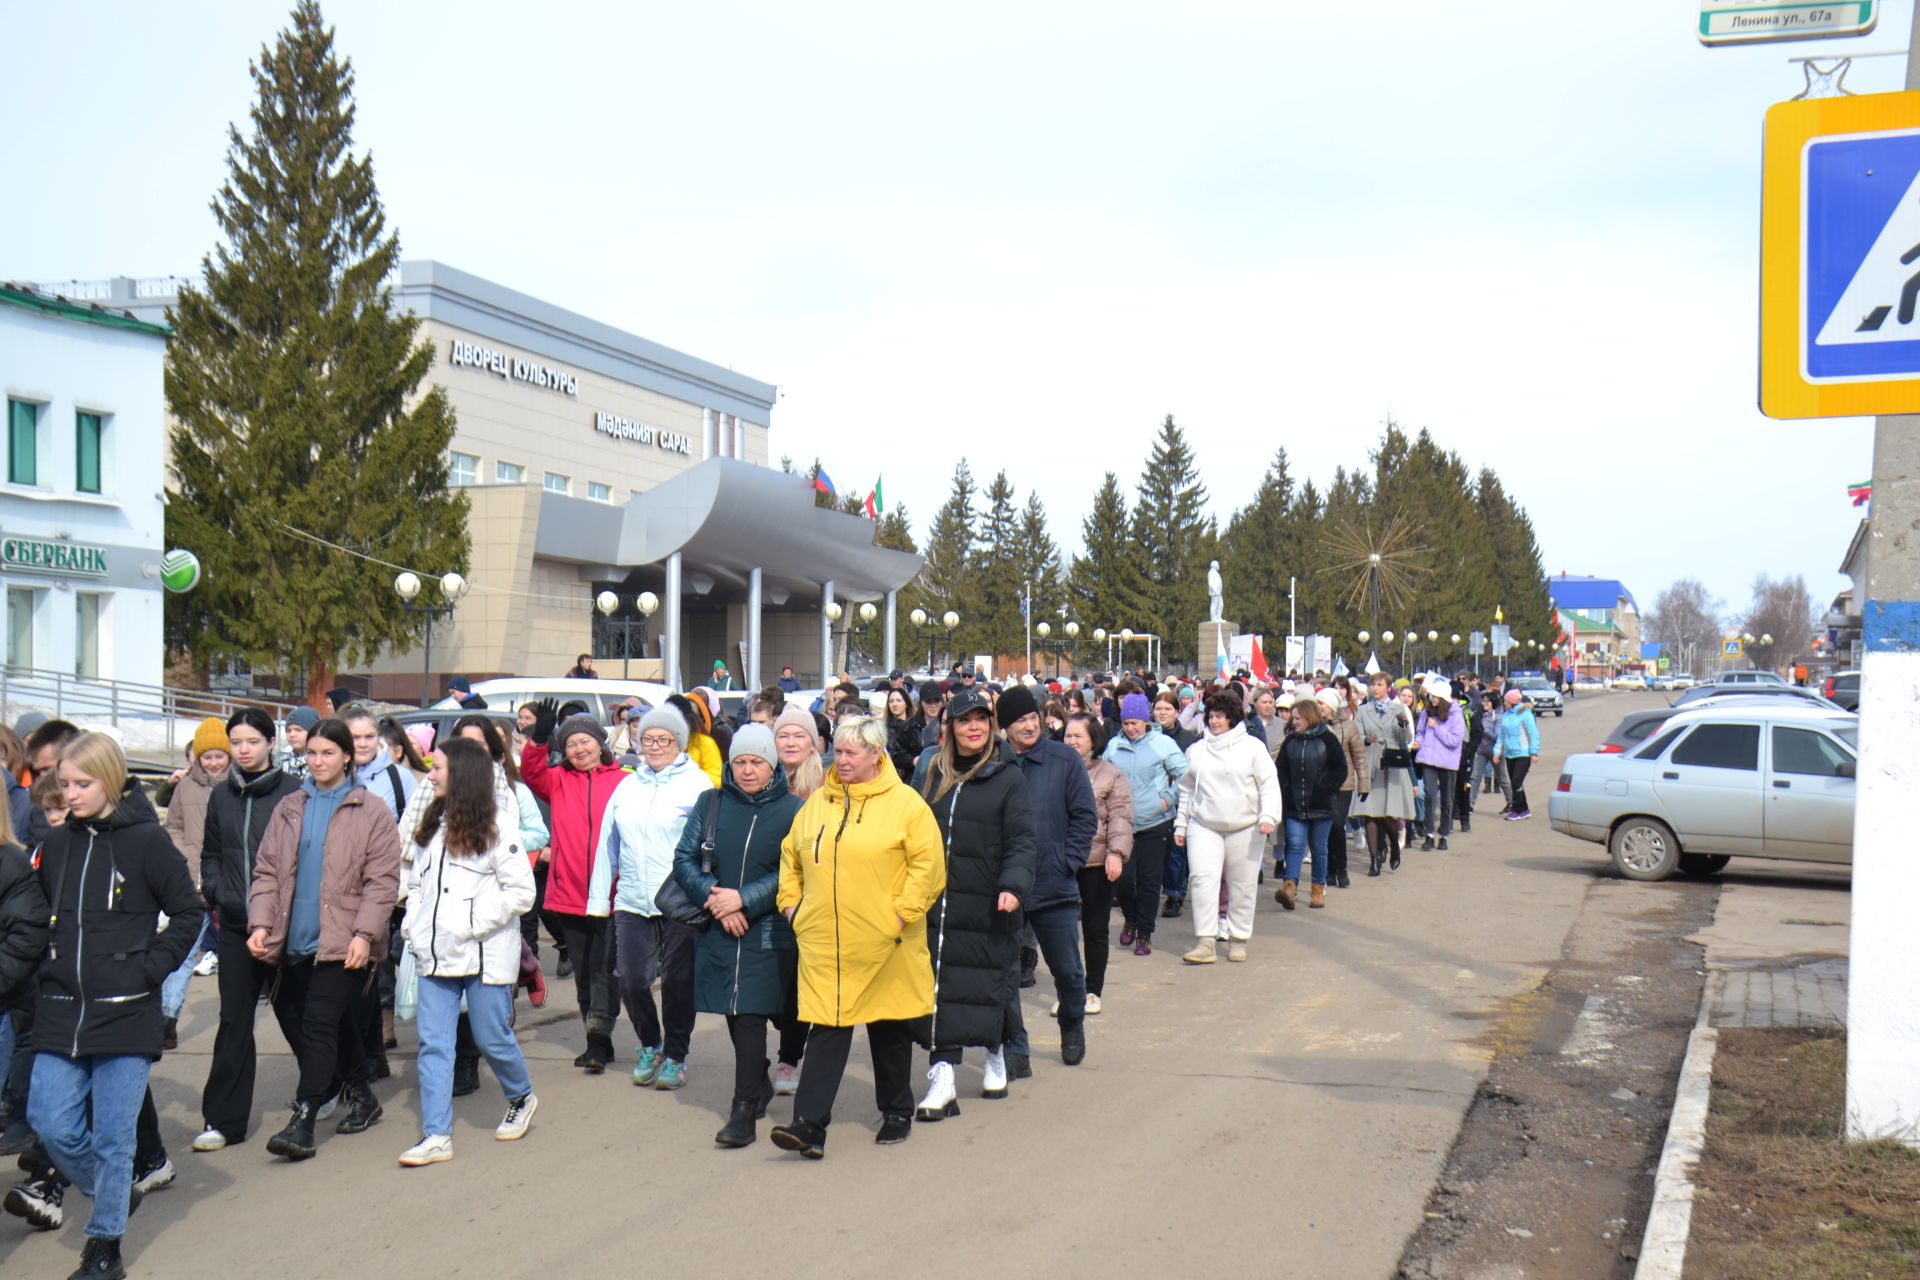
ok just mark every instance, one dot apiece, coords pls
pixel 1312 764
pixel 470 883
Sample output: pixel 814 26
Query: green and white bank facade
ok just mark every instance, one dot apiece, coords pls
pixel 81 498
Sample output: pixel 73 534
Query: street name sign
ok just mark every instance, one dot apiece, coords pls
pixel 1840 257
pixel 1748 22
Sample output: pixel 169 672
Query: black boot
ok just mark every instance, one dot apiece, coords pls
pixel 804 1136
pixel 738 1131
pixel 564 969
pixel 894 1128
pixel 1393 854
pixel 599 1053
pixel 1029 961
pixel 1175 904
pixel 295 1142
pixel 100 1260
pixel 377 1067
pixel 363 1112
pixel 466 1076
pixel 1019 1066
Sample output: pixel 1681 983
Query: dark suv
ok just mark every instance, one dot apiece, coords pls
pixel 1843 687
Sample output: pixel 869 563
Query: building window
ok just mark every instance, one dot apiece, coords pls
pixel 20 628
pixel 557 483
pixel 463 469
pixel 88 430
pixel 509 473
pixel 599 492
pixel 23 442
pixel 86 635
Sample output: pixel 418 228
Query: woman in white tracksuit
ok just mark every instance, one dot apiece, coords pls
pixel 1228 793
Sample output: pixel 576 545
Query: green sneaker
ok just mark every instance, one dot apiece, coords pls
pixel 646 1065
pixel 672 1075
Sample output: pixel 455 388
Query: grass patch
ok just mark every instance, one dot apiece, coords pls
pixel 1781 1194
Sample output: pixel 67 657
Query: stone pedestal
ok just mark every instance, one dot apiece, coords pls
pixel 1214 638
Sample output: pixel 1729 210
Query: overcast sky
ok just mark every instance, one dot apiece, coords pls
pixel 1025 233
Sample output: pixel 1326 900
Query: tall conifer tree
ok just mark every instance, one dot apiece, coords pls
pixel 295 391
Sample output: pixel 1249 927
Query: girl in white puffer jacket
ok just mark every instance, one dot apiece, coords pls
pixel 469 884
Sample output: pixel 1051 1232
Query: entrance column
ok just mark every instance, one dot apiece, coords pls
pixel 672 647
pixel 893 602
pixel 752 672
pixel 826 634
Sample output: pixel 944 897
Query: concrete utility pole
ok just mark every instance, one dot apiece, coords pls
pixel 1883 1000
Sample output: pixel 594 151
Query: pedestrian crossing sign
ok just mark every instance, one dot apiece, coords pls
pixel 1730 649
pixel 1840 257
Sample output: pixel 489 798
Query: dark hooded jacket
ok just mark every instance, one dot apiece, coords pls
pixel 23 927
pixel 1064 820
pixel 107 880
pixel 987 826
pixel 237 814
pixel 753 973
pixel 1311 765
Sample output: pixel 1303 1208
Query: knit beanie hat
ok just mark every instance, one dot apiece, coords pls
pixel 667 719
pixel 211 736
pixel 304 718
pixel 587 725
pixel 799 717
pixel 754 740
pixel 1015 703
pixel 1136 707
pixel 1513 697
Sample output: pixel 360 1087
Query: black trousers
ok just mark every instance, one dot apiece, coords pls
pixel 1337 838
pixel 226 1103
pixel 1138 888
pixel 1096 913
pixel 891 1044
pixel 530 923
pixel 1517 767
pixel 657 947
pixel 748 1031
pixel 589 940
pixel 322 996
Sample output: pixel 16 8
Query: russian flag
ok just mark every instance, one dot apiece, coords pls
pixel 821 484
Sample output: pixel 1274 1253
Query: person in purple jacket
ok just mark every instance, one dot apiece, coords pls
pixel 1438 735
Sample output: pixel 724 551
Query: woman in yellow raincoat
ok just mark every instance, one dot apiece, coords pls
pixel 860 868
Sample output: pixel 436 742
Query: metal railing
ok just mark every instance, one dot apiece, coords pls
pixel 155 721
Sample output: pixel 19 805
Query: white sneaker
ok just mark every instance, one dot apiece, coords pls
pixel 209 964
pixel 994 1083
pixel 1224 934
pixel 1093 1003
pixel 210 1140
pixel 786 1080
pixel 519 1116
pixel 1054 1010
pixel 941 1100
pixel 327 1107
pixel 431 1149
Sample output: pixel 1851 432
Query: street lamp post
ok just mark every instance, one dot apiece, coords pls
pixel 609 604
pixel 1364 637
pixel 1433 640
pixel 924 634
pixel 1044 629
pixel 407 586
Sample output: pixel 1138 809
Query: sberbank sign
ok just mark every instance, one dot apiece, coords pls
pixel 53 557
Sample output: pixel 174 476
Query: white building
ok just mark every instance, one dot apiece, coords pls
pixel 81 506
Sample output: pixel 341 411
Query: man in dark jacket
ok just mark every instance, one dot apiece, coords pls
pixel 96 1026
pixel 1065 821
pixel 237 814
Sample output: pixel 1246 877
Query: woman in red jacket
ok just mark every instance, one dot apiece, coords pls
pixel 577 792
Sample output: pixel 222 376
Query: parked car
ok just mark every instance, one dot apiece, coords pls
pixel 1749 677
pixel 1771 779
pixel 1701 692
pixel 1634 729
pixel 443 719
pixel 509 692
pixel 1631 680
pixel 1538 690
pixel 1682 680
pixel 1843 688
pixel 1588 682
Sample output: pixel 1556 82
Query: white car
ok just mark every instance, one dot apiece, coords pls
pixel 1627 680
pixel 511 692
pixel 1770 780
pixel 1682 680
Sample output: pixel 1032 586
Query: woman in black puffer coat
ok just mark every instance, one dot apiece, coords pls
pixel 986 819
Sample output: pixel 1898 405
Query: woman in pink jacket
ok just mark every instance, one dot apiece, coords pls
pixel 1438 734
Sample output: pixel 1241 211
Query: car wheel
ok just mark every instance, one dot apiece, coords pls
pixel 1559 713
pixel 1644 849
pixel 1703 864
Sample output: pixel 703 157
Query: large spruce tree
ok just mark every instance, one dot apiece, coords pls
pixel 1178 538
pixel 950 578
pixel 1108 586
pixel 305 462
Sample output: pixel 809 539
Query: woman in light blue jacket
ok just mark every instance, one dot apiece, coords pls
pixel 1518 744
pixel 1153 765
pixel 638 835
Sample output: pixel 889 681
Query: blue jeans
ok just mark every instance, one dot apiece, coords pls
pixel 489 1009
pixel 173 992
pixel 1057 930
pixel 96 1159
pixel 1173 882
pixel 1302 832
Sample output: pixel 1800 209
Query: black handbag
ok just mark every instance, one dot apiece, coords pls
pixel 671 898
pixel 1395 758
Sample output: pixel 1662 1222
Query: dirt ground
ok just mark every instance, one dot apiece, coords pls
pixel 1552 1172
pixel 1781 1195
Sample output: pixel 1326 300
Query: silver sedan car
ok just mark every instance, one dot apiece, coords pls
pixel 1761 781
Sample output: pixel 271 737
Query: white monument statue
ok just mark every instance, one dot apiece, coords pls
pixel 1214 607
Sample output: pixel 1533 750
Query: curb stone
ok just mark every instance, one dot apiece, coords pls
pixel 1663 1247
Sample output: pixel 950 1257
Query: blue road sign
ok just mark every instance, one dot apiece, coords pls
pixel 1862 312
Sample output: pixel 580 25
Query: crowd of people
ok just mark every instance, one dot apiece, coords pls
pixel 901 858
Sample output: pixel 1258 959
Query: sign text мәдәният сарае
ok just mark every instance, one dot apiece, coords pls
pixel 640 433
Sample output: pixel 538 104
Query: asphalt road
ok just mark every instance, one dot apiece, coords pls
pixel 1284 1117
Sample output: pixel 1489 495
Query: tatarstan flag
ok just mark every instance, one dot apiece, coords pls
pixel 875 502
pixel 1860 492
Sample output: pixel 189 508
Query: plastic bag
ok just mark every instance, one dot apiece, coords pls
pixel 406 987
